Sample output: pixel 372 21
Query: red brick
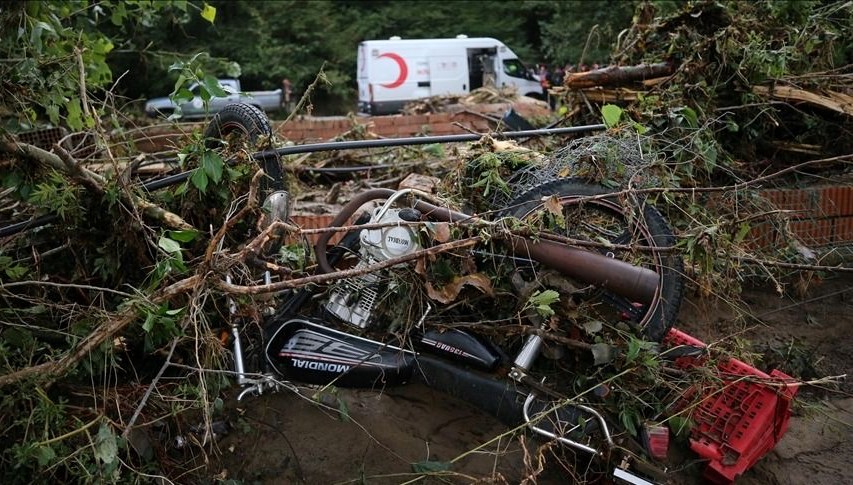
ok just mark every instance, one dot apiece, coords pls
pixel 417 119
pixel 804 202
pixel 843 230
pixel 385 131
pixel 813 232
pixel 775 197
pixel 823 232
pixel 383 121
pixel 836 201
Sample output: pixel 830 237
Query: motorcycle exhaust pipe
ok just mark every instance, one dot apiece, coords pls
pixel 633 282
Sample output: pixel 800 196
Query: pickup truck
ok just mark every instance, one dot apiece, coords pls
pixel 265 100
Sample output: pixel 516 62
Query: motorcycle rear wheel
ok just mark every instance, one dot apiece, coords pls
pixel 610 219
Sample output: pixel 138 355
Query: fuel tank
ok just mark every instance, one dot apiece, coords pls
pixel 306 351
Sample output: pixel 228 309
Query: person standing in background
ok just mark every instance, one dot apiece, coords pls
pixel 545 81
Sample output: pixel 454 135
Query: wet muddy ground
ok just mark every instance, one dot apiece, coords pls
pixel 286 438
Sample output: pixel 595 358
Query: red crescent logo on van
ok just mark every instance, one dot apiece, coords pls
pixel 404 70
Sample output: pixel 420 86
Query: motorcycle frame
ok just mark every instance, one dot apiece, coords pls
pixel 634 282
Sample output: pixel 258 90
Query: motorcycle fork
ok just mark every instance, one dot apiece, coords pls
pixel 236 342
pixel 521 365
pixel 251 385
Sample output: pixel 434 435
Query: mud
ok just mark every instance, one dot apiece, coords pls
pixel 375 437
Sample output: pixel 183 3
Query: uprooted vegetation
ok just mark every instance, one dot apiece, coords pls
pixel 738 90
pixel 135 342
pixel 111 314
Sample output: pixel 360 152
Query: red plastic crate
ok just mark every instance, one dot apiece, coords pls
pixel 739 419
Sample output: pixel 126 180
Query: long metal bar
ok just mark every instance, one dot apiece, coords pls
pixel 388 142
pixel 419 140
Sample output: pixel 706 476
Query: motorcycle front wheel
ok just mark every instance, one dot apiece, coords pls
pixel 243 123
pixel 614 225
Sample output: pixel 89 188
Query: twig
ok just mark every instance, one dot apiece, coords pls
pixel 12 284
pixel 251 204
pixel 63 161
pixel 782 264
pixel 55 368
pixel 81 69
pixel 323 278
pixel 151 387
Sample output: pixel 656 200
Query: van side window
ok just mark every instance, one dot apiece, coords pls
pixel 514 68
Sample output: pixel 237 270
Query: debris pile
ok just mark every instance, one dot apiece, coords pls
pixel 738 86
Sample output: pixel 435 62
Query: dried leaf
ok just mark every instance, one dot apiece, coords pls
pixel 449 292
pixel 602 353
pixel 552 205
pixel 592 327
pixel 441 232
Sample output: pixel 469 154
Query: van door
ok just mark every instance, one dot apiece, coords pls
pixel 481 67
pixel 447 75
pixel 362 79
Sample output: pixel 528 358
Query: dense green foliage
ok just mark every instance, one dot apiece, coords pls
pixel 132 44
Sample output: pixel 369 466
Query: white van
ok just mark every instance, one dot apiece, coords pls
pixel 395 71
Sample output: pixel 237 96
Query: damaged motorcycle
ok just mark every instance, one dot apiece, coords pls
pixel 517 308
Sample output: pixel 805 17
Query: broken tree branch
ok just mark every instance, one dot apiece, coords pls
pixel 617 75
pixel 63 161
pixel 48 371
pixel 832 100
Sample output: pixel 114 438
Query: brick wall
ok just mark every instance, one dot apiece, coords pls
pixel 392 126
pixel 821 216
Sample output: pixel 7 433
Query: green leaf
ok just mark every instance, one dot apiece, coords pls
pixel 430 466
pixel 183 236
pixel 148 324
pixel 183 95
pixel 213 87
pixel 742 232
pixel 627 419
pixel 542 300
pixel 106 447
pixel 16 272
pixel 74 118
pixel 690 117
pixel 169 245
pixel 208 13
pixel 212 164
pixel 709 154
pixel 343 409
pixel 102 46
pixel 199 179
pixel 44 455
pixel 435 149
pixel 633 350
pixel 680 425
pixel 611 114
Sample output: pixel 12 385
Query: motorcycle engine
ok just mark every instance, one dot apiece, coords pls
pixel 354 299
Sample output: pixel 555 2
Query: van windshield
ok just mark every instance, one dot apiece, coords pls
pixel 514 68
